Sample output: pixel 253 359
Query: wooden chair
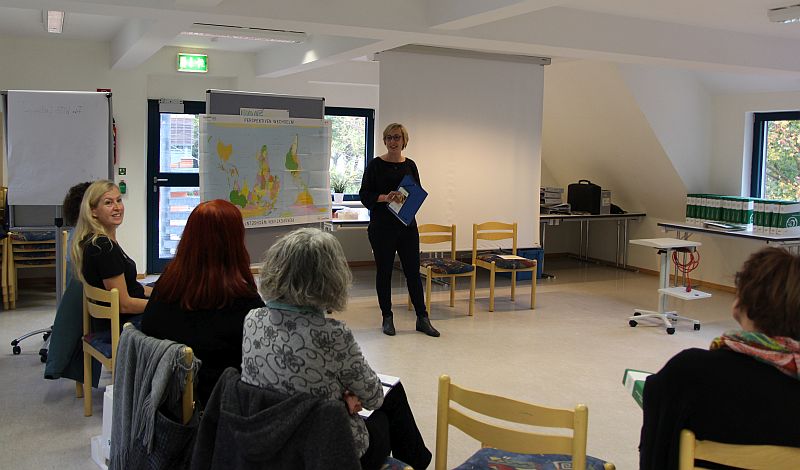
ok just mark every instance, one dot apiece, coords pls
pixel 187 396
pixel 4 270
pixel 502 444
pixel 25 254
pixel 756 457
pixel 98 303
pixel 497 262
pixel 432 267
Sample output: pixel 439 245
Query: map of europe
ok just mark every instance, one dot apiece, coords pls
pixel 275 170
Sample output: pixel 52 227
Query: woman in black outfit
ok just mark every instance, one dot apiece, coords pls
pixel 387 234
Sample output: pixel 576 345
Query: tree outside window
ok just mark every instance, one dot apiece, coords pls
pixel 776 156
pixel 352 136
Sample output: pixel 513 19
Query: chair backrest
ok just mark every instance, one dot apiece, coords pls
pixel 493 231
pixel 513 411
pixel 101 303
pixel 64 256
pixel 430 234
pixel 736 455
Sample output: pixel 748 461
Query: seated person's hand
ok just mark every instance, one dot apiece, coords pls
pixel 352 401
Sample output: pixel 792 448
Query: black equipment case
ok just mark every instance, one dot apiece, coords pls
pixel 584 196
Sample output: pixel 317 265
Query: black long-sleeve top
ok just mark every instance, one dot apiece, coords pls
pixel 722 396
pixel 382 177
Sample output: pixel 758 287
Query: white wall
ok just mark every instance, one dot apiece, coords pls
pixel 474 132
pixel 678 109
pixel 81 65
pixel 648 134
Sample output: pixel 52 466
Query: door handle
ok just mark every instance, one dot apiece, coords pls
pixel 157 180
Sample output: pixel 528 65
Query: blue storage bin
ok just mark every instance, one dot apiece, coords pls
pixel 530 253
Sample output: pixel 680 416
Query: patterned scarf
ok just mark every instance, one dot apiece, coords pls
pixel 779 351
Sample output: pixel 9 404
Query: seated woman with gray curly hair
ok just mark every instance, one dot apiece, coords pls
pixel 291 346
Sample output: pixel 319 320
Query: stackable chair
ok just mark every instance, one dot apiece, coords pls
pixel 4 269
pixel 736 455
pixel 439 267
pixel 503 445
pixel 98 303
pixel 496 262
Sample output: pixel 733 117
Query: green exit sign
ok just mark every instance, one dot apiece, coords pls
pixel 197 63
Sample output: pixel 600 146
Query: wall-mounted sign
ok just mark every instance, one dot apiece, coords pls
pixel 197 63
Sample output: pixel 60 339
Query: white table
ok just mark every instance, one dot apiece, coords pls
pixel 665 247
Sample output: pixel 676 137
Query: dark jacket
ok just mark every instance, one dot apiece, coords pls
pixel 247 427
pixel 65 353
pixel 722 396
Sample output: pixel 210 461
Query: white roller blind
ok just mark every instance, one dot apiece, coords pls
pixel 475 133
pixel 55 140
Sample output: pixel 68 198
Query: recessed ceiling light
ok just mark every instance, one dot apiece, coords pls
pixel 246 33
pixel 790 14
pixel 54 21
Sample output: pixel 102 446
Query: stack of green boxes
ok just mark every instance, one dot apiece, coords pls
pixel 759 215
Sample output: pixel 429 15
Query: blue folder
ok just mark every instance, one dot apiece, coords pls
pixel 414 198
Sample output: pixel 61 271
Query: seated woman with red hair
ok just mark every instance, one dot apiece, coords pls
pixel 205 292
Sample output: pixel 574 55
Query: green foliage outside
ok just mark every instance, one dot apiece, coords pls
pixel 782 179
pixel 347 152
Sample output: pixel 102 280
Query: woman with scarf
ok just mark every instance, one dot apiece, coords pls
pixel 745 388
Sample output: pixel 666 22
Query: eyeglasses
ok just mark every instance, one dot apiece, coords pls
pixel 393 137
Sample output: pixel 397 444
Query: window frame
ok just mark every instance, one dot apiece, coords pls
pixel 369 147
pixel 758 167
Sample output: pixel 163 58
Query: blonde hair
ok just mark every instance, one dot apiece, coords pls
pixel 87 225
pixel 396 126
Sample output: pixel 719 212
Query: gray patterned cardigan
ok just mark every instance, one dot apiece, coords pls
pixel 297 349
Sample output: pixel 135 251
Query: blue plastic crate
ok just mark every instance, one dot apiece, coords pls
pixel 530 253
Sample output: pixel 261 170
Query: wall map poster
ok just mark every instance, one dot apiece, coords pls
pixel 275 170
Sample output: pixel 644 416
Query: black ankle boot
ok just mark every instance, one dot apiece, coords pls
pixel 424 326
pixel 388 326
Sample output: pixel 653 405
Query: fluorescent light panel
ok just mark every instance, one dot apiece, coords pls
pixel 54 21
pixel 246 33
pixel 790 14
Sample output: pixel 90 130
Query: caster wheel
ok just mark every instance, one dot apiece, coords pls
pixel 16 350
pixel 43 355
pixel 636 314
pixel 632 323
pixel 45 336
pixel 697 327
pixel 670 331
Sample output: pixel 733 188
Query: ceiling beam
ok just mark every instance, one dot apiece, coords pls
pixel 139 39
pixel 320 51
pixel 461 14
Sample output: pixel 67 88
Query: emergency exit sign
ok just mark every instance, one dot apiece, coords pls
pixel 197 63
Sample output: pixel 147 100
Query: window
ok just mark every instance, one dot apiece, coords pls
pixel 776 156
pixel 352 146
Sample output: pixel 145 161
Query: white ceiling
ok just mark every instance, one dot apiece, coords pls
pixel 725 41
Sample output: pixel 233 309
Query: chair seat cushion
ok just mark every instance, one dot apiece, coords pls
pixel 519 263
pixel 488 458
pixel 445 265
pixel 392 463
pixel 100 340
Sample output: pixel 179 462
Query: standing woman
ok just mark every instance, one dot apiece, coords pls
pixel 98 259
pixel 387 234
pixel 205 292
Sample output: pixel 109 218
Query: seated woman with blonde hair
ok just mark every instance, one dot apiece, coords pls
pixel 291 346
pixel 745 388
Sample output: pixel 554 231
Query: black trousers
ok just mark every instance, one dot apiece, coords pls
pixel 405 242
pixel 392 429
